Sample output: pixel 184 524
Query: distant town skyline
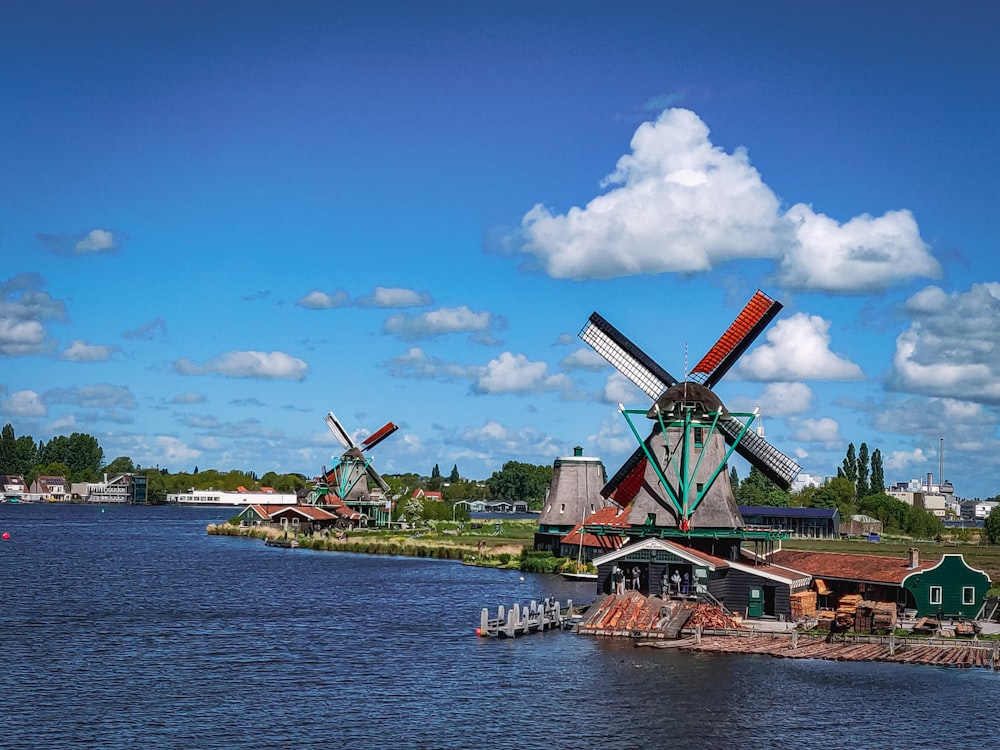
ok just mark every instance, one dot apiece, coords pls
pixel 218 223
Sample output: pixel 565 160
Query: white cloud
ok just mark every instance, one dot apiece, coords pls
pixel 514 373
pixel 96 241
pixel 317 300
pixel 613 438
pixel 383 296
pixel 23 312
pixel 782 399
pixel 80 351
pixel 679 204
pixel 864 254
pixel 824 430
pixel 247 364
pixel 899 460
pixel 415 363
pixel 173 450
pixel 952 347
pixel 797 348
pixel 23 404
pixel 620 390
pixel 436 322
pixel 584 359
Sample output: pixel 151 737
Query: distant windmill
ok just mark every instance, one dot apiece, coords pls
pixel 344 480
pixel 676 478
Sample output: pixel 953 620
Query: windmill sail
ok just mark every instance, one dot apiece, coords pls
pixel 626 357
pixel 339 432
pixel 771 462
pixel 378 436
pixel 752 320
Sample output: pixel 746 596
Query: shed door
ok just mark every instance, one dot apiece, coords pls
pixel 756 605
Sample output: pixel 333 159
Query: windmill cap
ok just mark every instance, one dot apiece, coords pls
pixel 688 395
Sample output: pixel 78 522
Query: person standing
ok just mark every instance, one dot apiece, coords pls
pixel 675 579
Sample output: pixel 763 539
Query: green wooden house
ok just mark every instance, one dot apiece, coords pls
pixel 951 587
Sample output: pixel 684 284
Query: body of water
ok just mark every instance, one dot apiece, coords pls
pixel 129 627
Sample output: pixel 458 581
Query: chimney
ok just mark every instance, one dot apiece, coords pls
pixel 930 480
pixel 914 557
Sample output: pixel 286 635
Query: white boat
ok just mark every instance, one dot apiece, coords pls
pixel 579 576
pixel 580 573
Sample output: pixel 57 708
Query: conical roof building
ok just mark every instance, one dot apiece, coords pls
pixel 575 494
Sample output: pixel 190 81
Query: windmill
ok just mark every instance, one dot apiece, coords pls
pixel 350 480
pixel 675 482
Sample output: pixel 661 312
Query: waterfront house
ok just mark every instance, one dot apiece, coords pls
pixel 949 586
pixel 50 488
pixel 13 487
pixel 304 519
pixel 121 488
pixel 750 587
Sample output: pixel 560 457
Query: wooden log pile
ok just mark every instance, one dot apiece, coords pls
pixel 847 608
pixel 803 605
pixel 708 616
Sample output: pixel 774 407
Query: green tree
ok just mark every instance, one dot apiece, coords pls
pixel 80 452
pixel 894 514
pixel 17 454
pixel 734 478
pixel 877 482
pixel 757 489
pixel 922 524
pixel 837 493
pixel 862 486
pixel 121 465
pixel 435 472
pixel 518 481
pixel 849 468
pixel 454 476
pixel 991 527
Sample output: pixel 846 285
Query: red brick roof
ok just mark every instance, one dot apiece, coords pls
pixel 609 515
pixel 868 568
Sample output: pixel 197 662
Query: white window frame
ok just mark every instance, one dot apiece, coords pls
pixel 935 595
pixel 968 595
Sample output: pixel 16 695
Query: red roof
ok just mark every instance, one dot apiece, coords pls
pixel 609 515
pixel 868 568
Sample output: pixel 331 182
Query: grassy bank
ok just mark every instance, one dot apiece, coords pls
pixel 478 546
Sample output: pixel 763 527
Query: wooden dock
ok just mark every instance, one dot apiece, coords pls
pixel 533 618
pixel 899 650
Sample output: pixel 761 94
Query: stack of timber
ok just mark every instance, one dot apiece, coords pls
pixel 707 616
pixel 847 608
pixel 803 605
pixel 875 617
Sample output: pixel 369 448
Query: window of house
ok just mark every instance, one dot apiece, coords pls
pixel 699 486
pixel 968 595
pixel 562 507
pixel 295 522
pixel 935 595
pixel 698 436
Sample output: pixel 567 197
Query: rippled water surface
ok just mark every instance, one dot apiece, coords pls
pixel 130 628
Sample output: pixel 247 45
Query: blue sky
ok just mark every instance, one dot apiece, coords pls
pixel 219 221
